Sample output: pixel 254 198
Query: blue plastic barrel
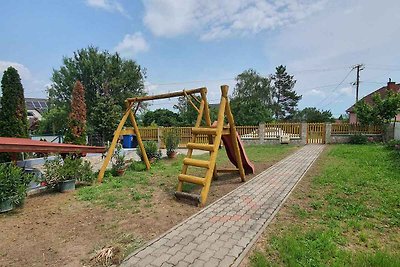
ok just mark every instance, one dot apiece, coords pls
pixel 127 141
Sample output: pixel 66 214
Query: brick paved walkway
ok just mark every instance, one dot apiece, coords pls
pixel 222 233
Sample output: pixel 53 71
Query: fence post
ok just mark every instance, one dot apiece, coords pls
pixel 303 133
pixel 328 131
pixel 159 137
pixel 261 133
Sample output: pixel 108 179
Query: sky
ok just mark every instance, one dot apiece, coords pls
pixel 187 44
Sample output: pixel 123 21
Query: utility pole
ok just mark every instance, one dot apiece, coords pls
pixel 359 68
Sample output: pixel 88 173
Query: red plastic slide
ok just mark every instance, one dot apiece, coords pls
pixel 247 164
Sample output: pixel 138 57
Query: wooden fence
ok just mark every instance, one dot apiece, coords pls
pixel 272 131
pixel 347 128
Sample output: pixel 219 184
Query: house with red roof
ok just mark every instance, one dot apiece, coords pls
pixel 391 86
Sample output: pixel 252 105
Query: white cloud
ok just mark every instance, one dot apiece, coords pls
pixel 23 71
pixel 132 44
pixel 211 19
pixel 348 91
pixel 342 35
pixel 33 87
pixel 108 5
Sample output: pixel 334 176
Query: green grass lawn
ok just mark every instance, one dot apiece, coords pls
pixel 136 187
pixel 348 215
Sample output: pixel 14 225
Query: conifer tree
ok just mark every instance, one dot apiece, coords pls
pixel 76 133
pixel 285 98
pixel 13 115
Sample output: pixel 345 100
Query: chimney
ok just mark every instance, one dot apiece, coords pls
pixel 391 85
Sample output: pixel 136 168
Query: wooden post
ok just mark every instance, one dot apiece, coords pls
pixel 113 144
pixel 138 137
pixel 207 118
pixel 213 158
pixel 261 133
pixel 228 112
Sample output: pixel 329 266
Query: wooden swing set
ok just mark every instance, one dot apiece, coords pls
pixel 215 132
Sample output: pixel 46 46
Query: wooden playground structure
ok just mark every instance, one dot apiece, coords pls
pixel 216 133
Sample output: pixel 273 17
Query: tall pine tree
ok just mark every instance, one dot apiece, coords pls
pixel 285 98
pixel 76 133
pixel 13 115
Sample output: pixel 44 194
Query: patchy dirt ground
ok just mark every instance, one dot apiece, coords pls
pixel 54 229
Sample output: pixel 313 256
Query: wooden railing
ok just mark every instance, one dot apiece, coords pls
pixel 248 132
pixel 347 128
pixel 275 130
pixel 271 131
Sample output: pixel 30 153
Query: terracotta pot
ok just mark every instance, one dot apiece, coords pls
pixel 120 172
pixel 151 160
pixel 172 154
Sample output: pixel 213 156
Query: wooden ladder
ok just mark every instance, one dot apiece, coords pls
pixel 214 136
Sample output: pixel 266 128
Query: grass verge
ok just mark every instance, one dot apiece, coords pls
pixel 348 214
pixel 134 190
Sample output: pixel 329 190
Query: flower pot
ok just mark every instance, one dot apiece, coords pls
pixel 151 160
pixel 172 154
pixel 66 186
pixel 6 205
pixel 120 172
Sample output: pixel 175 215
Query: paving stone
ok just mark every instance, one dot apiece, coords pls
pixel 213 262
pixel 218 235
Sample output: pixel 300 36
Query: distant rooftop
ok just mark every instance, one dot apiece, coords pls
pixel 39 104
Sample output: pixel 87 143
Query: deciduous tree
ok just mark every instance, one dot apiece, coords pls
pixel 101 73
pixel 252 98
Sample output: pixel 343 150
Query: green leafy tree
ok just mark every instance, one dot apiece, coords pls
pixel 76 133
pixel 53 121
pixel 101 73
pixel 381 111
pixel 285 98
pixel 13 115
pixel 105 118
pixel 188 115
pixel 312 114
pixel 252 98
pixel 161 117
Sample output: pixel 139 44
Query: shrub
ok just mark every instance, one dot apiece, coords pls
pixel 71 168
pixel 118 159
pixel 171 140
pixel 13 183
pixel 393 144
pixel 137 166
pixel 152 150
pixel 358 139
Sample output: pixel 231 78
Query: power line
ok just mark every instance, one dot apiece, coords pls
pixel 336 88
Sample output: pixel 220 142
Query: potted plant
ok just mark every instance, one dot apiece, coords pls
pixel 171 140
pixel 118 161
pixel 63 174
pixel 152 151
pixel 13 185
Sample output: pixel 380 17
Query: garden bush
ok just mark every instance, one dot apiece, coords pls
pixel 171 140
pixel 358 139
pixel 71 168
pixel 152 150
pixel 13 183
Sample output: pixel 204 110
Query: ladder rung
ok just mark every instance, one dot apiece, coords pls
pixel 205 130
pixel 206 147
pixel 191 179
pixel 197 163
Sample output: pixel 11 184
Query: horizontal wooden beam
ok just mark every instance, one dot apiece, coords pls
pixel 167 95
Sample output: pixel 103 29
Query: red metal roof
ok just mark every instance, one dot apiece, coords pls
pixel 11 144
